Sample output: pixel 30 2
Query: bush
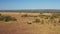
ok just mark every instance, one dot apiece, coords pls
pixel 24 15
pixel 37 20
pixel 47 16
pixel 35 16
pixel 1 18
pixel 7 18
pixel 42 22
pixel 52 17
pixel 28 15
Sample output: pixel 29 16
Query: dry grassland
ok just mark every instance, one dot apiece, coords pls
pixel 31 23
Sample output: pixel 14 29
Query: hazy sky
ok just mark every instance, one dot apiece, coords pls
pixel 29 4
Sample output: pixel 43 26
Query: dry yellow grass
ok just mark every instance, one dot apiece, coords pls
pixel 21 26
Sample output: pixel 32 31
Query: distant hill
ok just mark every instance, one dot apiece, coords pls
pixel 41 10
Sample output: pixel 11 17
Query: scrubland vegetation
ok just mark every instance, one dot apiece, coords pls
pixel 29 23
pixel 44 18
pixel 7 18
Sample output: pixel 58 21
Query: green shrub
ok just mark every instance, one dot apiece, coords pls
pixel 52 17
pixel 28 15
pixel 47 16
pixel 24 15
pixel 35 16
pixel 7 18
pixel 37 21
pixel 1 18
pixel 42 22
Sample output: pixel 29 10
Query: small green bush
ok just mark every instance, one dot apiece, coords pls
pixel 47 16
pixel 1 18
pixel 42 22
pixel 52 17
pixel 24 15
pixel 37 21
pixel 35 16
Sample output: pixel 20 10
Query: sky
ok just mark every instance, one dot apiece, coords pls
pixel 29 4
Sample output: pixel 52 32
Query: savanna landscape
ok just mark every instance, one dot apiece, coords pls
pixel 29 23
pixel 29 16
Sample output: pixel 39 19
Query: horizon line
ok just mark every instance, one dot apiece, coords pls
pixel 31 9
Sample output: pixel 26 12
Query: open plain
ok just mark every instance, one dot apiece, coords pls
pixel 31 23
